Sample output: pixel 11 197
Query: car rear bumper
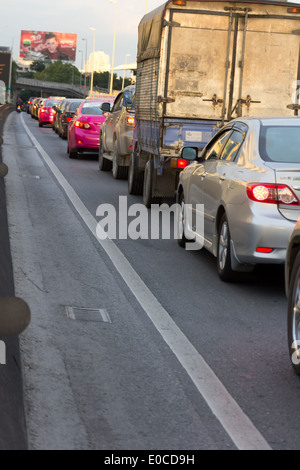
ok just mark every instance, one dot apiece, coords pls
pixel 257 230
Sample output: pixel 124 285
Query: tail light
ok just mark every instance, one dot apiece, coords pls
pixel 272 194
pixel 130 120
pixel 69 119
pixel 82 125
pixel 180 163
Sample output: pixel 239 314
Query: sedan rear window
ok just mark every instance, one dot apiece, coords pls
pixel 280 144
pixel 91 109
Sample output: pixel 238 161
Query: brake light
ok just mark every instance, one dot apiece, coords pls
pixel 69 119
pixel 130 120
pixel 182 163
pixel 82 125
pixel 264 250
pixel 272 194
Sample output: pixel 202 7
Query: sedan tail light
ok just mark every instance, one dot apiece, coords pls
pixel 272 194
pixel 82 125
pixel 130 120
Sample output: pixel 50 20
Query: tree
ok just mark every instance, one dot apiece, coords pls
pixel 59 72
pixel 38 66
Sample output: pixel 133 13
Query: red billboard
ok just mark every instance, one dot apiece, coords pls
pixel 41 45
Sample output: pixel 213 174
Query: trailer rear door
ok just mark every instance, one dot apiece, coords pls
pixel 232 62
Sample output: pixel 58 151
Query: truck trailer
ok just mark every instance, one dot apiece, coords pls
pixel 199 65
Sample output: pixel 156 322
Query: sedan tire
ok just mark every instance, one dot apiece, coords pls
pixel 224 252
pixel 293 317
pixel 71 153
pixel 104 164
pixel 182 240
pixel 119 172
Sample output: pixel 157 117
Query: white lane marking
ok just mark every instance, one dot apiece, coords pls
pixel 238 426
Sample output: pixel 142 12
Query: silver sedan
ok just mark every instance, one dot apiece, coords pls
pixel 246 185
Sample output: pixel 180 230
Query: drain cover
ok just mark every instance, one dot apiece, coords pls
pixel 88 314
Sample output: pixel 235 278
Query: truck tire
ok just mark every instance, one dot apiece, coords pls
pixel 119 172
pixel 135 177
pixel 104 164
pixel 147 186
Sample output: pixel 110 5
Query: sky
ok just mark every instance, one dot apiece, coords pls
pixel 77 16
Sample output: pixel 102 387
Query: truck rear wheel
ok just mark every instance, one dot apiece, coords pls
pixel 148 182
pixel 135 177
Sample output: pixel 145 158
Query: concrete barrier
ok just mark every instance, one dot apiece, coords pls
pixel 12 422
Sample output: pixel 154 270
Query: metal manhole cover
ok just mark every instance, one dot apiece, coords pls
pixel 88 314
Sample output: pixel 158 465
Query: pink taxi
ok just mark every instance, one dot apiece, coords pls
pixel 84 129
pixel 46 112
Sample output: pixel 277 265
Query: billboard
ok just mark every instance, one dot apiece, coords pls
pixel 41 45
pixel 5 63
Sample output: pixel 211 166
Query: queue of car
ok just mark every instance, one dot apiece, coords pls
pixel 245 184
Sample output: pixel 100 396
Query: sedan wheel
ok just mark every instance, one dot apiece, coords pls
pixel 181 222
pixel 294 316
pixel 223 255
pixel 119 172
pixel 71 153
pixel 104 164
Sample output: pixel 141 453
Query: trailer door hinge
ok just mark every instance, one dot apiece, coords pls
pixel 172 24
pixel 161 99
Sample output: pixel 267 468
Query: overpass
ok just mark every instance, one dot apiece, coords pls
pixel 54 88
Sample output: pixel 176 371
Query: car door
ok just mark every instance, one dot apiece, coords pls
pixel 220 175
pixel 111 122
pixel 209 157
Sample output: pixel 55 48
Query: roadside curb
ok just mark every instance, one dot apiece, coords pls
pixel 12 425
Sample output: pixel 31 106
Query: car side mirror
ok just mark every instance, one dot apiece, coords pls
pixel 55 108
pixel 189 153
pixel 105 107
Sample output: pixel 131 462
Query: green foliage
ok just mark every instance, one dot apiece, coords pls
pixel 38 66
pixel 59 72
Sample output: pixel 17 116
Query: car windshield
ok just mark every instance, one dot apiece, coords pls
pixel 280 144
pixel 91 109
pixel 50 103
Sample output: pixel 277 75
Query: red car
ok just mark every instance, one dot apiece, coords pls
pixel 46 113
pixel 84 129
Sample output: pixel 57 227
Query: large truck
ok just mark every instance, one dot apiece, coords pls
pixel 199 65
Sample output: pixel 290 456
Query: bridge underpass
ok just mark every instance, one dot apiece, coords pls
pixel 43 88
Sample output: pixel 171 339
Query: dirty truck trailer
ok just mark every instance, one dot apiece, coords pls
pixel 201 64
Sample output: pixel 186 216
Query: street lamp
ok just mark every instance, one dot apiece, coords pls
pixel 127 55
pixel 85 62
pixel 81 66
pixel 93 66
pixel 114 47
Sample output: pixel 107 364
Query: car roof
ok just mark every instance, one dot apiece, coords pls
pixel 269 120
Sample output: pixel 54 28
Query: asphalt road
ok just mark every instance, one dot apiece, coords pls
pixel 186 361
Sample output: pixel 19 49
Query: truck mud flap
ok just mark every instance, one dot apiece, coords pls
pixel 164 185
